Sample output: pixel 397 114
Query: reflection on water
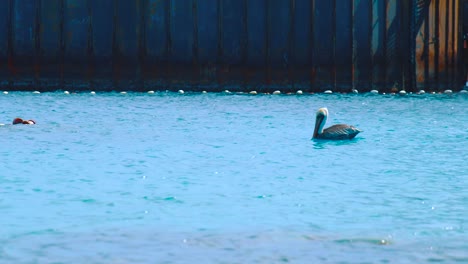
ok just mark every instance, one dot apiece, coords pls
pixel 324 144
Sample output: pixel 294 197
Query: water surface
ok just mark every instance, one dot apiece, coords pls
pixel 216 178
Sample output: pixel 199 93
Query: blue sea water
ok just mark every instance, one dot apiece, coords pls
pixel 218 178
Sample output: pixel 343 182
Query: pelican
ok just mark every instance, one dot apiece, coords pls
pixel 335 132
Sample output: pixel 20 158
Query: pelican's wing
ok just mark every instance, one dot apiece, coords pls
pixel 340 131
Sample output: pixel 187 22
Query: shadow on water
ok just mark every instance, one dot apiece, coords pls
pixel 324 144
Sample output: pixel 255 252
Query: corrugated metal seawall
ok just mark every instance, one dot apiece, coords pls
pixel 216 44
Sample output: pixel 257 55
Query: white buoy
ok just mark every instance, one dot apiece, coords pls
pixel 253 92
pixel 151 92
pixel 276 92
pixel 421 92
pixel 123 92
pixel 299 92
pixel 328 92
pixel 463 91
pixel 66 92
pixel 448 91
pixel 402 92
pixel 5 92
pixel 374 92
pixel 93 92
pixel 227 91
pixel 204 92
pixel 181 91
pixel 36 92
pixel 354 91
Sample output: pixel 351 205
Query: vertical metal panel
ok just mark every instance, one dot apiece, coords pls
pixel 313 68
pixel 455 37
pixel 207 12
pixel 102 29
pixel 37 43
pixel 24 24
pixel 405 45
pixel 379 44
pixel 452 40
pixel 156 43
pixel 343 46
pixel 393 45
pixel 231 40
pixel 323 43
pixel 256 45
pixel 24 19
pixel 4 42
pixel 142 18
pixel 181 29
pixel 245 44
pixel 126 53
pixel 267 44
pixel 301 53
pixel 279 32
pixel 436 41
pixel 445 43
pixel 362 57
pixel 420 11
pixel 75 42
pixel 51 16
pixel 195 47
pixel 412 44
pixel 290 39
pixel 76 29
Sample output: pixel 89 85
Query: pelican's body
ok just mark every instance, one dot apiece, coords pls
pixel 335 132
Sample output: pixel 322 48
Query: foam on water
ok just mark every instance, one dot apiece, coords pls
pixel 216 178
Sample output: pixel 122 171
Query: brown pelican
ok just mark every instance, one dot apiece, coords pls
pixel 335 132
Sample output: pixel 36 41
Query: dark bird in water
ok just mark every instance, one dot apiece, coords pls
pixel 335 132
pixel 25 122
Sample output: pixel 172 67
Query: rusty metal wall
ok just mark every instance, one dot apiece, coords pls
pixel 438 42
pixel 221 44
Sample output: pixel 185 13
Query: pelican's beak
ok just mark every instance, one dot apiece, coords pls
pixel 318 121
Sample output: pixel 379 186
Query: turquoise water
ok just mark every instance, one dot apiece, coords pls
pixel 216 178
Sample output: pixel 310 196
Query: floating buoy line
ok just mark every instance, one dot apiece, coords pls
pixel 255 92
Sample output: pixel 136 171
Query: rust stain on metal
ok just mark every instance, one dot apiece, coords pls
pixel 436 42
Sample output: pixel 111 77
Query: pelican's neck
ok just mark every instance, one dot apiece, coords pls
pixel 320 121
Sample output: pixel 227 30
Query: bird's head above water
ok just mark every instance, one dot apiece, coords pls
pixel 320 120
pixel 322 112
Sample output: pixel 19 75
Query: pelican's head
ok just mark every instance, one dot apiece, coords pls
pixel 322 112
pixel 320 120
